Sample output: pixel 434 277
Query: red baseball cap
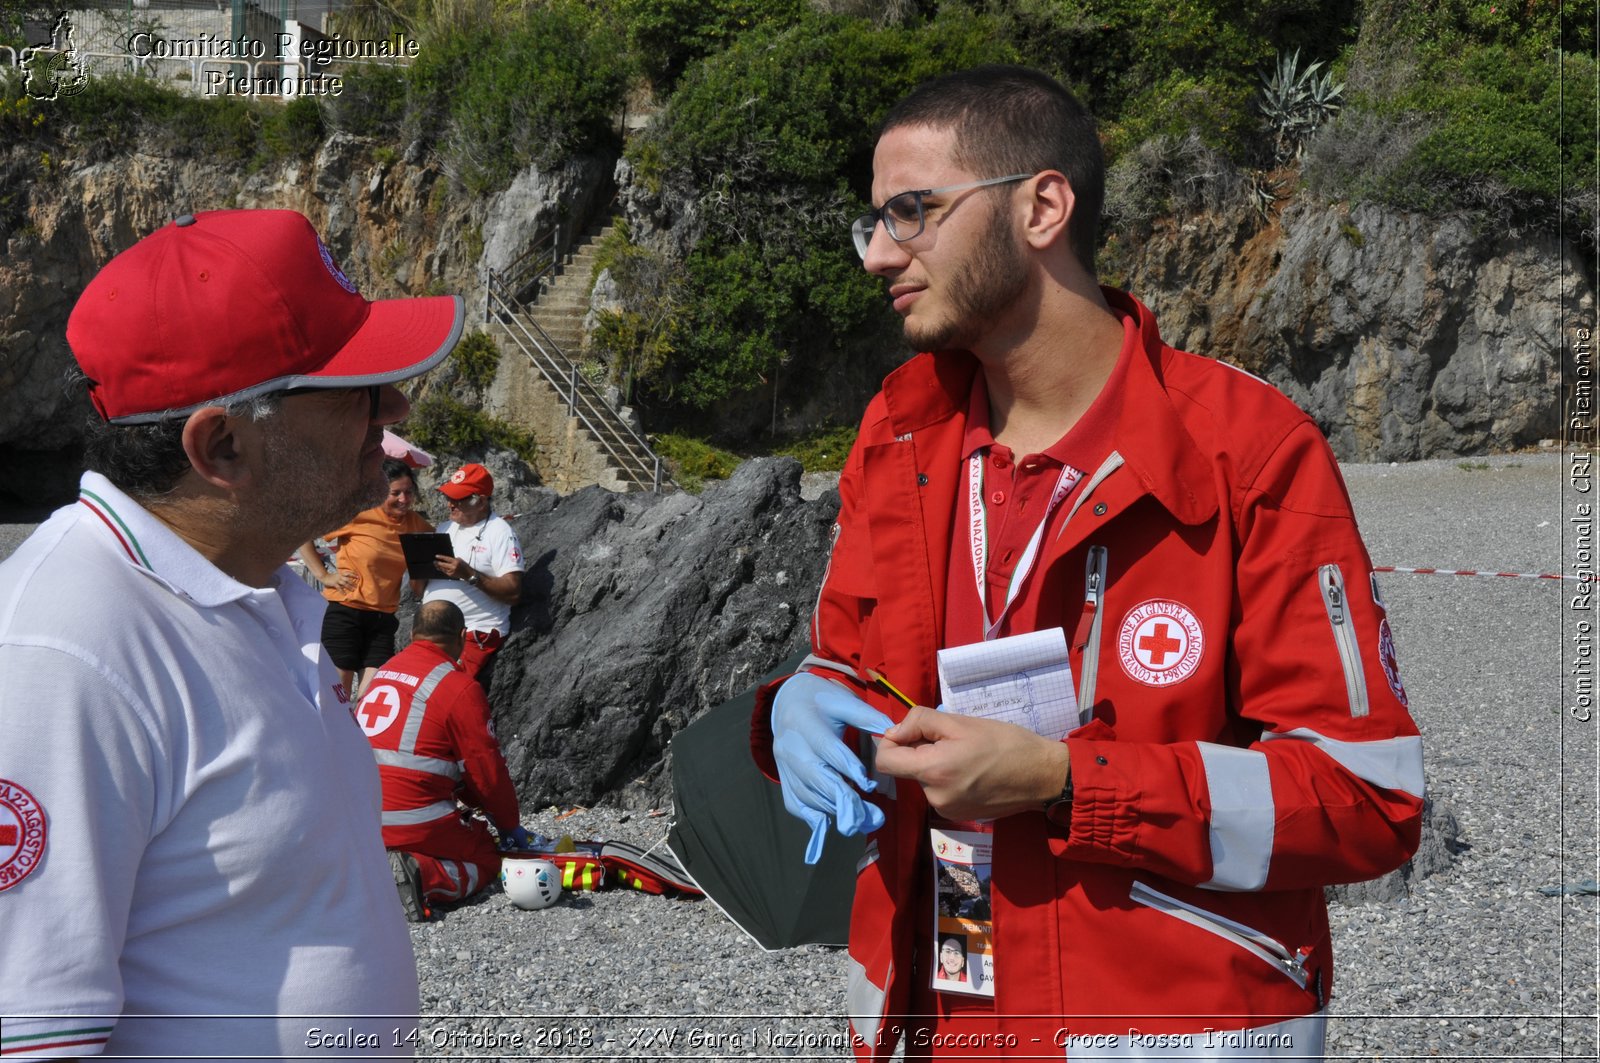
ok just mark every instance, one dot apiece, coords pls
pixel 225 305
pixel 470 479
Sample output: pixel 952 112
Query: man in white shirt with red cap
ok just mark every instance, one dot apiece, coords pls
pixel 485 569
pixel 190 853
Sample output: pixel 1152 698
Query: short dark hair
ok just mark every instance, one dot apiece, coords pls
pixel 146 461
pixel 394 468
pixel 1013 119
pixel 438 621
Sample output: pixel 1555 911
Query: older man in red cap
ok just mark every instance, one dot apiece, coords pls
pixel 179 771
pixel 484 571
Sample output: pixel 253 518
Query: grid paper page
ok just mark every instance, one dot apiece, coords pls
pixel 1021 679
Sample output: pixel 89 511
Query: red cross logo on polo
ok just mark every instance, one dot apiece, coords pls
pixel 378 710
pixel 22 834
pixel 1160 642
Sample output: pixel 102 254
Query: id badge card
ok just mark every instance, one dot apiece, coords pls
pixel 963 919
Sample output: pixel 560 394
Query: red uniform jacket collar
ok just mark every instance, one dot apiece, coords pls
pixel 1155 449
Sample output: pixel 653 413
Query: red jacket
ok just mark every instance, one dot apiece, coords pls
pixel 430 729
pixel 1273 756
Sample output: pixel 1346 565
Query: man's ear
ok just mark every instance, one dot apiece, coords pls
pixel 212 441
pixel 1050 209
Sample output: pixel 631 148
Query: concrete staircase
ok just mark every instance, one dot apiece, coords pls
pixel 539 387
pixel 564 302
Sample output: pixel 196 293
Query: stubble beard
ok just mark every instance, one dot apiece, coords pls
pixel 309 488
pixel 983 288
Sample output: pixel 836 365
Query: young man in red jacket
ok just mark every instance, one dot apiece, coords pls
pixel 1237 737
pixel 432 734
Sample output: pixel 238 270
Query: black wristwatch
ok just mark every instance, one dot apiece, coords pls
pixel 1058 810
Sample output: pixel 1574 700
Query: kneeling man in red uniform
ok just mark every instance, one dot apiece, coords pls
pixel 431 732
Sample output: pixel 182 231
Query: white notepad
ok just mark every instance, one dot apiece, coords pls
pixel 1022 679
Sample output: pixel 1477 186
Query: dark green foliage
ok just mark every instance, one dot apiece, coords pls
pixel 821 451
pixel 668 35
pixel 442 424
pixel 373 103
pixel 295 129
pixel 1466 106
pixel 694 461
pixel 779 129
pixel 1172 67
pixel 478 358
pixel 534 92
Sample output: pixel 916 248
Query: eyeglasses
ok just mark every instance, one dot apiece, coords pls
pixel 461 503
pixel 373 396
pixel 903 217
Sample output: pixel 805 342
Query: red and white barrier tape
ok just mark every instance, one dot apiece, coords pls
pixel 1469 572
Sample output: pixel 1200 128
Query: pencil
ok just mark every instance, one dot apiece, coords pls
pixel 889 688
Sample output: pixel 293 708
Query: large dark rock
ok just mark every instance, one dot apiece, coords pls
pixel 639 613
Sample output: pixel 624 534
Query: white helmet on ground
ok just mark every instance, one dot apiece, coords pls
pixel 531 884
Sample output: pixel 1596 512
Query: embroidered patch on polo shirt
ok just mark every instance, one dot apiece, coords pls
pixel 1390 662
pixel 1160 642
pixel 22 834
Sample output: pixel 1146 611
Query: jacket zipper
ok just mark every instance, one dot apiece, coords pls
pixel 1270 950
pixel 1331 580
pixel 1087 638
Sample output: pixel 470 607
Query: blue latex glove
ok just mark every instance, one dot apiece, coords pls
pixel 815 768
pixel 516 840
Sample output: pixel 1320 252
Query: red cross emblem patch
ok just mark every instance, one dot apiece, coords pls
pixel 22 834
pixel 378 710
pixel 1160 642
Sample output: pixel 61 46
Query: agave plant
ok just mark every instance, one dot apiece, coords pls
pixel 1296 102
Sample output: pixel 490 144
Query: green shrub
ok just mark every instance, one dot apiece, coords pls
pixel 372 103
pixel 775 135
pixel 477 357
pixel 823 450
pixel 441 424
pixel 668 35
pixel 293 130
pixel 694 461
pixel 1461 106
pixel 535 91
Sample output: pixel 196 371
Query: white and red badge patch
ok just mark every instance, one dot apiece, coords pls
pixel 1390 662
pixel 457 476
pixel 1160 642
pixel 379 708
pixel 22 834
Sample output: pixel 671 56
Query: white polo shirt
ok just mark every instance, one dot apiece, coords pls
pixel 189 816
pixel 491 547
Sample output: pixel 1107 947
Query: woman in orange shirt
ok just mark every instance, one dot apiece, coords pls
pixel 363 591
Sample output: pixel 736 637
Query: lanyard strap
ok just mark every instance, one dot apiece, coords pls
pixel 978 536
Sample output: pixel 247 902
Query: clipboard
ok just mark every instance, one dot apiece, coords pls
pixel 421 548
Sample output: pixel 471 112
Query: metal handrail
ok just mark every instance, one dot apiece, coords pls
pixel 561 373
pixel 535 264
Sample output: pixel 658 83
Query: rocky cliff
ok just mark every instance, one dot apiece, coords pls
pixel 1404 336
pixel 396 227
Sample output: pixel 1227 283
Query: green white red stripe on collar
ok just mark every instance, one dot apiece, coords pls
pixel 52 1040
pixel 123 534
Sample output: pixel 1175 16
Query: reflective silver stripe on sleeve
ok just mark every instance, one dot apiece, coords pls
pixel 405 817
pixel 450 769
pixel 419 706
pixel 827 569
pixel 1391 763
pixel 1241 824
pixel 813 663
pixel 1300 1038
pixel 864 1003
pixel 472 878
